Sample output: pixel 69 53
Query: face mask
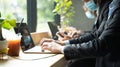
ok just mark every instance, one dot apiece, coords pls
pixel 89 15
pixel 91 5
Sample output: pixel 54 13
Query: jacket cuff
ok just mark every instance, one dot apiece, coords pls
pixel 67 42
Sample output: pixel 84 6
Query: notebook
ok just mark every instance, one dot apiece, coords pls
pixel 27 45
pixel 54 29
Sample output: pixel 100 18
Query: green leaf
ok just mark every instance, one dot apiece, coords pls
pixel 56 0
pixel 64 7
pixel 6 25
pixel 12 22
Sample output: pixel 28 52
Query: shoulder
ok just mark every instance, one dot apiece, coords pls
pixel 114 8
pixel 104 7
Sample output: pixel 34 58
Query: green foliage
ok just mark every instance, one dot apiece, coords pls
pixel 64 8
pixel 7 23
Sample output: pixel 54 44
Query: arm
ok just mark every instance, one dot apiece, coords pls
pixel 107 42
pixel 102 17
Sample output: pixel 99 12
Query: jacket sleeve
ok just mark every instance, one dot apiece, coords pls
pixel 107 42
pixel 83 38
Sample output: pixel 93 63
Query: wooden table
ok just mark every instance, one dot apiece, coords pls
pixel 32 60
pixel 35 60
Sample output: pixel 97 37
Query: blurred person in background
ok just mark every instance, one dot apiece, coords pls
pixel 72 32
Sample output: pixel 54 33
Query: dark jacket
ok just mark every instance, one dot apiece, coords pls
pixel 90 62
pixel 103 43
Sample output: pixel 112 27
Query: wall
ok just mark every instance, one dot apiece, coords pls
pixel 80 20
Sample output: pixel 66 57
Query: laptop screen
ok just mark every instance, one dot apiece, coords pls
pixel 54 29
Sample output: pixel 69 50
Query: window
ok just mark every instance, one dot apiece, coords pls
pixel 14 8
pixel 44 13
pixel 19 9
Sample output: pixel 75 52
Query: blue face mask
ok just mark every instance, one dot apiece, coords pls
pixel 91 5
pixel 89 15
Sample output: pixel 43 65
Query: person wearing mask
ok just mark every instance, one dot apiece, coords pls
pixel 104 44
pixel 74 33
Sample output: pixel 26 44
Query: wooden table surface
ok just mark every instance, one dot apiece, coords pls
pixel 31 60
pixel 35 60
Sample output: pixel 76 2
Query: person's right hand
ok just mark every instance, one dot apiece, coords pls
pixel 52 46
pixel 46 40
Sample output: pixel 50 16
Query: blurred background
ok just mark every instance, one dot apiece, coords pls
pixel 37 13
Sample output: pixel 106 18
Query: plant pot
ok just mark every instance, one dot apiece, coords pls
pixel 3 44
pixel 3 50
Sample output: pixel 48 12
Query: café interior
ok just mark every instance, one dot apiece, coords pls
pixel 36 14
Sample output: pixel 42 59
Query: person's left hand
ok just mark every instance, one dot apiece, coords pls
pixel 52 46
pixel 62 36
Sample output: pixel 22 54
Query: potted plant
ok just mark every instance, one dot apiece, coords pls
pixel 65 9
pixel 6 24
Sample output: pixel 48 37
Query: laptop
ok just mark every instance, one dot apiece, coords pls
pixel 54 29
pixel 27 44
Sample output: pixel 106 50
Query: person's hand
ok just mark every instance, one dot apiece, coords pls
pixel 66 38
pixel 62 36
pixel 75 33
pixel 52 46
pixel 46 40
pixel 68 33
